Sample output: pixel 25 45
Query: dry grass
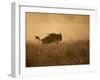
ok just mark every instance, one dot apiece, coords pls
pixel 57 54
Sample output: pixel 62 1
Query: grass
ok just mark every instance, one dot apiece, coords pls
pixel 64 53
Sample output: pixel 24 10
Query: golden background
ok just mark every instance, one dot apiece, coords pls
pixel 73 27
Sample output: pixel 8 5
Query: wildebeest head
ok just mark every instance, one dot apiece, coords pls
pixel 37 37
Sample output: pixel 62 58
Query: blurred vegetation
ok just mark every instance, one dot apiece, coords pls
pixel 64 53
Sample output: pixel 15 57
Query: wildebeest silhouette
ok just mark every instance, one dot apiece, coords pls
pixel 52 37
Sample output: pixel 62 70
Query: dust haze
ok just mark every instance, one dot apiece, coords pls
pixel 73 27
pixel 72 48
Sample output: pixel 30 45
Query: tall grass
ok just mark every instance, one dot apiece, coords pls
pixel 64 53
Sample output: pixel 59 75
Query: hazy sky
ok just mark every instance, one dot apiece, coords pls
pixel 72 27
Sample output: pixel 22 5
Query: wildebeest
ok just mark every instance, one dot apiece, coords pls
pixel 52 37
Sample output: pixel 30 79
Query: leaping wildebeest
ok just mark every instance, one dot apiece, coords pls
pixel 52 37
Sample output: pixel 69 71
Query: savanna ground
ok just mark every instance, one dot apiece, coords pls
pixel 64 53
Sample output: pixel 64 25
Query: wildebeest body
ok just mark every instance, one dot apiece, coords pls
pixel 52 37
